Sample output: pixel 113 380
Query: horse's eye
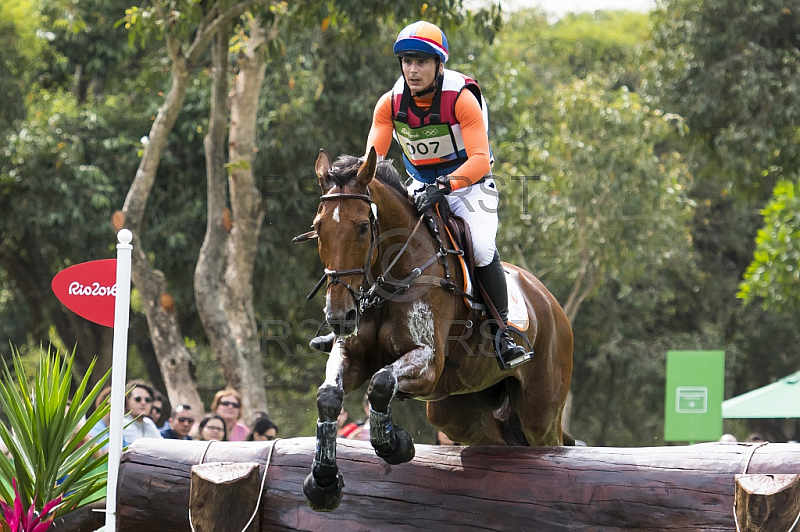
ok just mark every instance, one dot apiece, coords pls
pixel 363 228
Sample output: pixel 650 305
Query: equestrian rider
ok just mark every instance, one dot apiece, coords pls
pixel 443 131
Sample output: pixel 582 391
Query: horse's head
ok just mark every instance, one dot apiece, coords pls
pixel 346 227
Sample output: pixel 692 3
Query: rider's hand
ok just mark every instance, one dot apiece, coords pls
pixel 432 194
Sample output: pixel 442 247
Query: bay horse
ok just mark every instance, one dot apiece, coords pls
pixel 398 326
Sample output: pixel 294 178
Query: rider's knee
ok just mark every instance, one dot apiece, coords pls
pixel 483 251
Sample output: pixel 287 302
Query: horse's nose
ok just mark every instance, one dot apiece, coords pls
pixel 343 326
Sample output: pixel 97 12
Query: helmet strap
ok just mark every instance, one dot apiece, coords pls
pixel 434 85
pixel 424 92
pixel 435 116
pixel 436 104
pixel 402 112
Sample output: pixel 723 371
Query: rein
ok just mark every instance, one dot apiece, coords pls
pixel 375 292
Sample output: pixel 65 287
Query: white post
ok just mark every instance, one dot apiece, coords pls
pixel 119 363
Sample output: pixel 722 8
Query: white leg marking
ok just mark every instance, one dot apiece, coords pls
pixel 333 369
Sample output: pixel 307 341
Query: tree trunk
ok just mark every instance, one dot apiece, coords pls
pixel 248 215
pixel 210 262
pixel 173 357
pixel 460 488
pixel 224 277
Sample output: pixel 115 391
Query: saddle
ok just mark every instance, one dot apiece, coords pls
pixel 458 233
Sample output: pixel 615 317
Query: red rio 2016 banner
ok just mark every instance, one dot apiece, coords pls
pixel 89 290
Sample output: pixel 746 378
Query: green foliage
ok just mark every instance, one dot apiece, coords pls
pixel 606 41
pixel 20 51
pixel 45 433
pixel 774 274
pixel 59 184
pixel 86 52
pixel 18 21
pixel 731 69
pixel 606 200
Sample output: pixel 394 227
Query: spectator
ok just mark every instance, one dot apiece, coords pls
pixel 180 424
pixel 361 432
pixel 212 428
pixel 344 428
pixel 727 438
pixel 103 424
pixel 755 437
pixel 442 439
pixel 157 408
pixel 138 401
pixel 263 430
pixel 227 404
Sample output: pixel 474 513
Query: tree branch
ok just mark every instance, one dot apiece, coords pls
pixel 204 36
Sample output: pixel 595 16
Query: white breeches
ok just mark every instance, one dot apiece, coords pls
pixel 477 205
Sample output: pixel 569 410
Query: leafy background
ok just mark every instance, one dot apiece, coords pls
pixel 649 166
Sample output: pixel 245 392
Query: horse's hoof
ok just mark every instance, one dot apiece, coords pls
pixel 323 498
pixel 403 448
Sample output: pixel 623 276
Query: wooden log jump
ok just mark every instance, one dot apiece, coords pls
pixel 767 502
pixel 453 488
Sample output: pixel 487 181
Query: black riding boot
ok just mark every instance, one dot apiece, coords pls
pixel 323 343
pixel 493 279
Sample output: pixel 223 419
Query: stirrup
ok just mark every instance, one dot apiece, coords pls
pixel 509 354
pixel 323 343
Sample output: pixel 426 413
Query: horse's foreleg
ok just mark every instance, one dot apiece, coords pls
pixel 411 374
pixel 391 443
pixel 323 486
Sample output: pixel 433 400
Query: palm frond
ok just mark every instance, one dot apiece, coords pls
pixel 49 457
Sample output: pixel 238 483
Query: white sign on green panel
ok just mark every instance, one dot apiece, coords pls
pixel 694 392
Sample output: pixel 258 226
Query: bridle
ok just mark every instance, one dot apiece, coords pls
pixel 334 276
pixel 374 292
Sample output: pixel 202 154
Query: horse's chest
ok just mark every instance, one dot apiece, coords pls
pixel 419 320
pixel 407 327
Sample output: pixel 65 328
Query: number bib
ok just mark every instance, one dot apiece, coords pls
pixel 428 144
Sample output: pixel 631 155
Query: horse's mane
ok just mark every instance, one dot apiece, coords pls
pixel 346 166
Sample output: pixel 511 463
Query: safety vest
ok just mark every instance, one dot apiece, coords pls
pixel 431 140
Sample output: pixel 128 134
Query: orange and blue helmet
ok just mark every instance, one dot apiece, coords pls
pixel 421 39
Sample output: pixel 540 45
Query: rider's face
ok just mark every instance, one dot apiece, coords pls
pixel 419 72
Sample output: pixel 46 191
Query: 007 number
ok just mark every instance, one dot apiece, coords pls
pixel 423 147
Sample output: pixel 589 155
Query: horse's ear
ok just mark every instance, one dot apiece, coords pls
pixel 367 170
pixel 321 167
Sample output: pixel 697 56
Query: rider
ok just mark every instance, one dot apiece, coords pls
pixel 443 131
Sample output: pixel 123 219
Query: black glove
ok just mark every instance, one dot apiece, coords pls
pixel 432 194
